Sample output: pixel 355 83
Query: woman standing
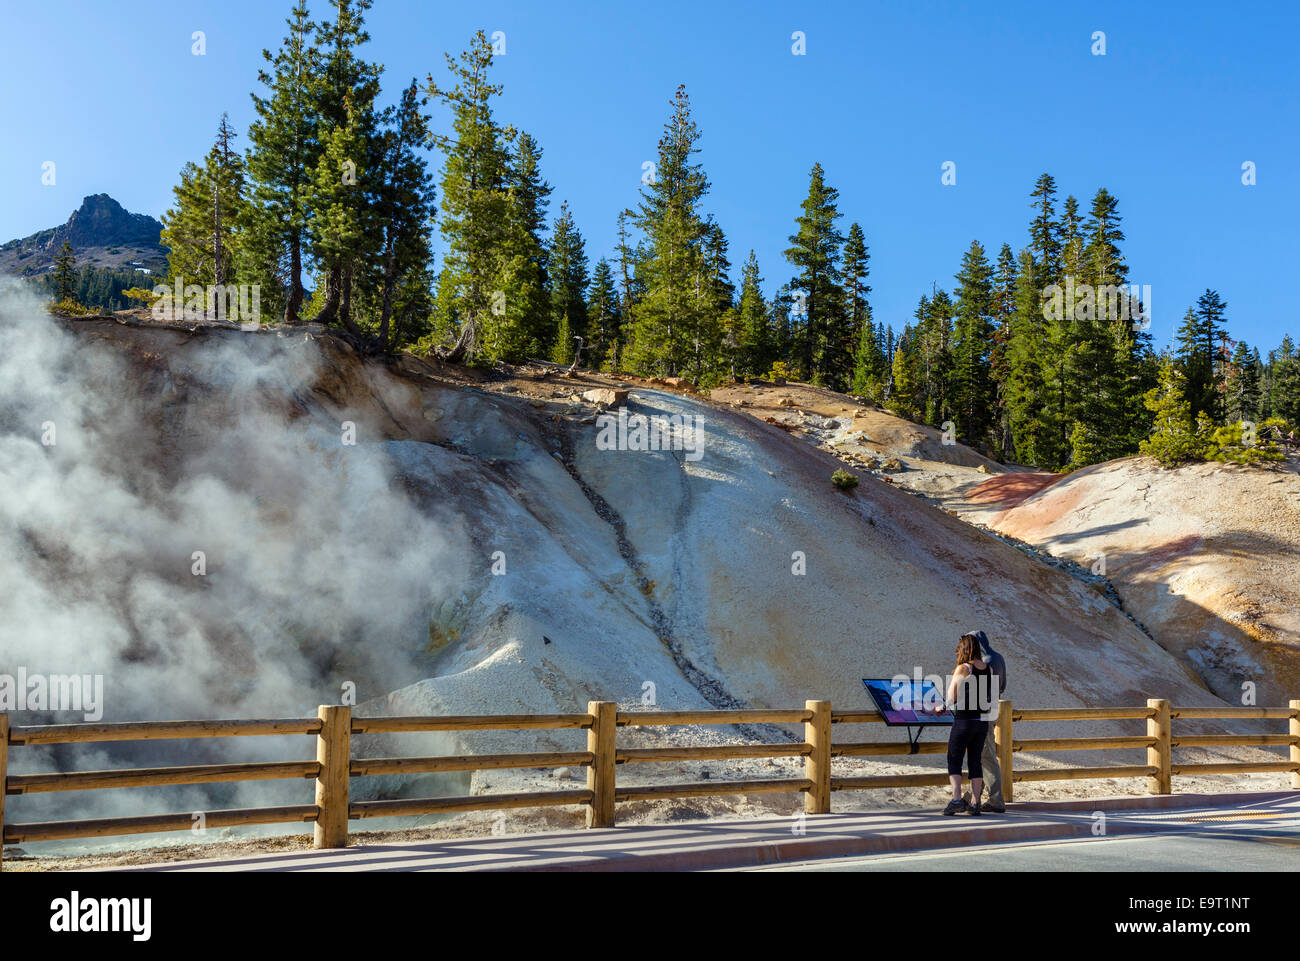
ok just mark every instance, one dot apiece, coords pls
pixel 969 688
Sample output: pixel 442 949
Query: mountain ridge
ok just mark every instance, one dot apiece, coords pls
pixel 103 234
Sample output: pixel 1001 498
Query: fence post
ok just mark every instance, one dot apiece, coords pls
pixel 1295 748
pixel 601 772
pixel 1159 755
pixel 1002 739
pixel 334 752
pixel 4 765
pixel 817 765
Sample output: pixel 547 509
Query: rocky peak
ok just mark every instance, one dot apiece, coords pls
pixel 101 221
pixel 102 233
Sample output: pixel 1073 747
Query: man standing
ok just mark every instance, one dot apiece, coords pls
pixel 989 758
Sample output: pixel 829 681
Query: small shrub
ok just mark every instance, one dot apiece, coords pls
pixel 1174 438
pixel 780 371
pixel 843 480
pixel 1084 446
pixel 70 308
pixel 142 294
pixel 1230 444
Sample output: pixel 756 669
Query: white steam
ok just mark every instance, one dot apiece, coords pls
pixel 320 570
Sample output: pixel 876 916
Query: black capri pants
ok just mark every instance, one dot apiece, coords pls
pixel 967 738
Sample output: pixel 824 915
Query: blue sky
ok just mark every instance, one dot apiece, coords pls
pixel 886 93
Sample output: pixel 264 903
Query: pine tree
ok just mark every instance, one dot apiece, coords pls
pixel 972 382
pixel 1075 334
pixel 568 288
pixel 1193 360
pixel 731 357
pixel 631 284
pixel 1071 233
pixel 1071 241
pixel 531 198
pixel 1025 389
pixel 1004 308
pixel 405 208
pixel 229 184
pixel 1134 366
pixel 1060 366
pixel 65 274
pixel 755 346
pixel 815 251
pixel 673 311
pixel 868 361
pixel 532 190
pixel 1211 311
pixel 1243 394
pixel 1100 358
pixel 202 232
pixel 933 356
pixel 716 342
pixel 283 149
pixel 1045 231
pixel 343 231
pixel 1284 396
pixel 857 308
pixel 870 365
pixel 492 266
pixel 1086 446
pixel 342 225
pixel 781 330
pixel 566 349
pixel 1174 438
pixel 604 319
pixel 1104 262
pixel 906 392
pixel 1198 350
pixel 1267 384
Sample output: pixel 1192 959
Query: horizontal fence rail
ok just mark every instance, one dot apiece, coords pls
pixel 334 728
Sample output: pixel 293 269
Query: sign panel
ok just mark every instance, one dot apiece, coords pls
pixel 908 703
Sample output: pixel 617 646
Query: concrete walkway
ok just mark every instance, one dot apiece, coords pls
pixel 706 845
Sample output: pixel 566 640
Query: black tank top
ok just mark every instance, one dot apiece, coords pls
pixel 977 688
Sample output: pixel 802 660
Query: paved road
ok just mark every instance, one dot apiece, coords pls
pixel 1189 832
pixel 1244 836
pixel 1277 849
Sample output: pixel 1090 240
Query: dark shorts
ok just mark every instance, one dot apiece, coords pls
pixel 967 740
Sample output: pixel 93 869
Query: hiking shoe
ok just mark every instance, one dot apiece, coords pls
pixel 973 809
pixel 956 807
pixel 995 808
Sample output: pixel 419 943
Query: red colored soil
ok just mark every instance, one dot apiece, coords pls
pixel 1009 490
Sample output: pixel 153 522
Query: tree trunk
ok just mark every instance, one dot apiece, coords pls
pixel 345 303
pixel 390 270
pixel 218 268
pixel 464 344
pixel 333 283
pixel 293 307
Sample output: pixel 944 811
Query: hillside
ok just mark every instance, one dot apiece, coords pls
pixel 102 234
pixel 1203 556
pixel 474 551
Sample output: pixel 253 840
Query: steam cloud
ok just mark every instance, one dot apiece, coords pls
pixel 320 568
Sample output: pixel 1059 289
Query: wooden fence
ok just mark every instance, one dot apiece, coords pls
pixel 334 767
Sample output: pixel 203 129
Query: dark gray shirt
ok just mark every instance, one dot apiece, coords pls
pixel 998 665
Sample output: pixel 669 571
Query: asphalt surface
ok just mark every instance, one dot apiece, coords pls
pixel 1266 839
pixel 1238 832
